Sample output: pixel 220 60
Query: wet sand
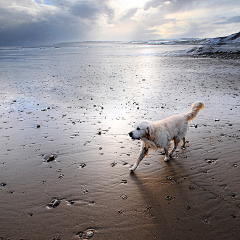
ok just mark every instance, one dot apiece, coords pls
pixel 79 105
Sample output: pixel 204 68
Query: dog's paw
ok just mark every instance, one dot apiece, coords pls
pixel 166 159
pixel 132 168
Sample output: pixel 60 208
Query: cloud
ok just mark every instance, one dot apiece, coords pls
pixel 142 14
pixel 86 10
pixel 27 21
pixel 31 22
pixel 235 19
pixel 175 18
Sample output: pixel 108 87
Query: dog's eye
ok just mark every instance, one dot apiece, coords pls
pixel 138 128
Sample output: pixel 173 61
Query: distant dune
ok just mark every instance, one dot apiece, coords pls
pixel 223 47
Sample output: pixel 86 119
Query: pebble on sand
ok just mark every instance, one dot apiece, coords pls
pixel 86 235
pixel 113 164
pixel 188 207
pixel 82 165
pixel 51 158
pixel 89 234
pixel 54 203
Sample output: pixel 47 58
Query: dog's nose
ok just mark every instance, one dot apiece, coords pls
pixel 130 134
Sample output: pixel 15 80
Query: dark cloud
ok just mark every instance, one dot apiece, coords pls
pixel 90 9
pixel 235 19
pixel 87 10
pixel 32 34
pixel 36 24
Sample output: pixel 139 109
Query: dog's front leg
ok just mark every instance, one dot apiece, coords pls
pixel 142 154
pixel 184 143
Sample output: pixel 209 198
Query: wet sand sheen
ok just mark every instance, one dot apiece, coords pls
pixel 79 105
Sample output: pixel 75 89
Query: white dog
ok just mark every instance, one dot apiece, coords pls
pixel 159 134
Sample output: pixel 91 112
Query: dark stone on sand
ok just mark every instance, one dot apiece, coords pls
pixel 51 158
pixel 113 164
pixel 210 160
pixel 38 126
pixel 168 198
pixel 191 187
pixel 124 197
pixel 82 165
pixel 124 181
pixel 54 203
pixel 233 195
pixel 206 220
pixel 3 184
pixel 120 211
pixel 89 234
pixel 188 207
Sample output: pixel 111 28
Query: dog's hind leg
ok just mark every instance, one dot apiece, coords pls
pixel 142 154
pixel 174 148
pixel 184 142
pixel 167 158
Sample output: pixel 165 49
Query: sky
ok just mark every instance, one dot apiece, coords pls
pixel 41 22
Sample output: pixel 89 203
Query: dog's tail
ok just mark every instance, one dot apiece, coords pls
pixel 196 107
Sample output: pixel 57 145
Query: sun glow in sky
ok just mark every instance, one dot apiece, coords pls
pixel 128 4
pixel 29 22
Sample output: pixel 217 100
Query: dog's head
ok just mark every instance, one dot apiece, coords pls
pixel 141 130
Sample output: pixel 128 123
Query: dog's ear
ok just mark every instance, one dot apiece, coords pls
pixel 149 130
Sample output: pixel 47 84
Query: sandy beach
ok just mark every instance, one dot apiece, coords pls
pixel 65 150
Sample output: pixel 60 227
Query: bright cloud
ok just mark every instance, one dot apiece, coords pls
pixel 142 14
pixel 126 4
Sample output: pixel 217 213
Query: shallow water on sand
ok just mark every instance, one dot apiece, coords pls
pixel 78 104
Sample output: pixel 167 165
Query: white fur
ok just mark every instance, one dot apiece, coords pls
pixel 159 134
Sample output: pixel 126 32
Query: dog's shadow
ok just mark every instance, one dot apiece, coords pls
pixel 154 187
